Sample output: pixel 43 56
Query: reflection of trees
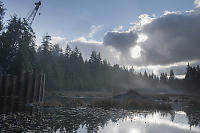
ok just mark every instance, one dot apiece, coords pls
pixel 193 115
pixel 90 118
pixel 70 120
pixel 93 118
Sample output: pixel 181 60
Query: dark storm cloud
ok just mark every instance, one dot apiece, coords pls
pixel 172 38
pixel 121 41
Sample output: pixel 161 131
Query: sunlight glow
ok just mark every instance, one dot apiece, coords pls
pixel 145 19
pixel 134 131
pixel 135 51
pixel 142 38
pixel 180 76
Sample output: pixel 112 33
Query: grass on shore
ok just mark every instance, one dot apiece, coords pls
pixel 131 104
pixel 86 94
pixel 106 101
pixel 50 104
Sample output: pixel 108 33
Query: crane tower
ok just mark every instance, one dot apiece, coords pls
pixel 30 17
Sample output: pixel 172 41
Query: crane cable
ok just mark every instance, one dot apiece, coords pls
pixel 29 13
pixel 32 13
pixel 37 22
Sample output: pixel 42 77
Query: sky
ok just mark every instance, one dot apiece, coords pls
pixel 152 35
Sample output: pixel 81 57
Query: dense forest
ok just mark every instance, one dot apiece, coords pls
pixel 67 70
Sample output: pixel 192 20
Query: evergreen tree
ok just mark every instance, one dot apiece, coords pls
pixel 46 61
pixel 145 76
pixel 17 46
pixel 163 78
pixel 74 57
pixel 46 46
pixel 68 52
pixel 2 13
pixel 171 76
pixel 67 70
pixel 94 61
pixel 56 50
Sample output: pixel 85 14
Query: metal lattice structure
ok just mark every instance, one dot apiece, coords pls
pixel 30 17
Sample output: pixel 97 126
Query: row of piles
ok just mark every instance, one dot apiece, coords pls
pixel 27 87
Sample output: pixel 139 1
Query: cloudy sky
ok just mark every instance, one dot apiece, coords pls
pixel 153 35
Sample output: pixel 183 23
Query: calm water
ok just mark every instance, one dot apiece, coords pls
pixel 148 123
pixel 184 119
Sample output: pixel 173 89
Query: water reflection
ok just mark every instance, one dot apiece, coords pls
pixel 98 120
pixel 8 105
pixel 139 122
pixel 151 124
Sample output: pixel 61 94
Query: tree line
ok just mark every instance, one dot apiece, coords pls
pixel 67 70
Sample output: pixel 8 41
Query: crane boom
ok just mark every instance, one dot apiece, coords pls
pixel 31 17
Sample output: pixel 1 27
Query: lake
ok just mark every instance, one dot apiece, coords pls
pixel 148 123
pixel 185 118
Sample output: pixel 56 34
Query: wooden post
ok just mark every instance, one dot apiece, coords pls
pixel 29 87
pixel 21 86
pixel 12 105
pixel 14 86
pixel 39 88
pixel 7 83
pixel 35 87
pixel 43 87
pixel 26 85
pixel 4 105
pixel 1 85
